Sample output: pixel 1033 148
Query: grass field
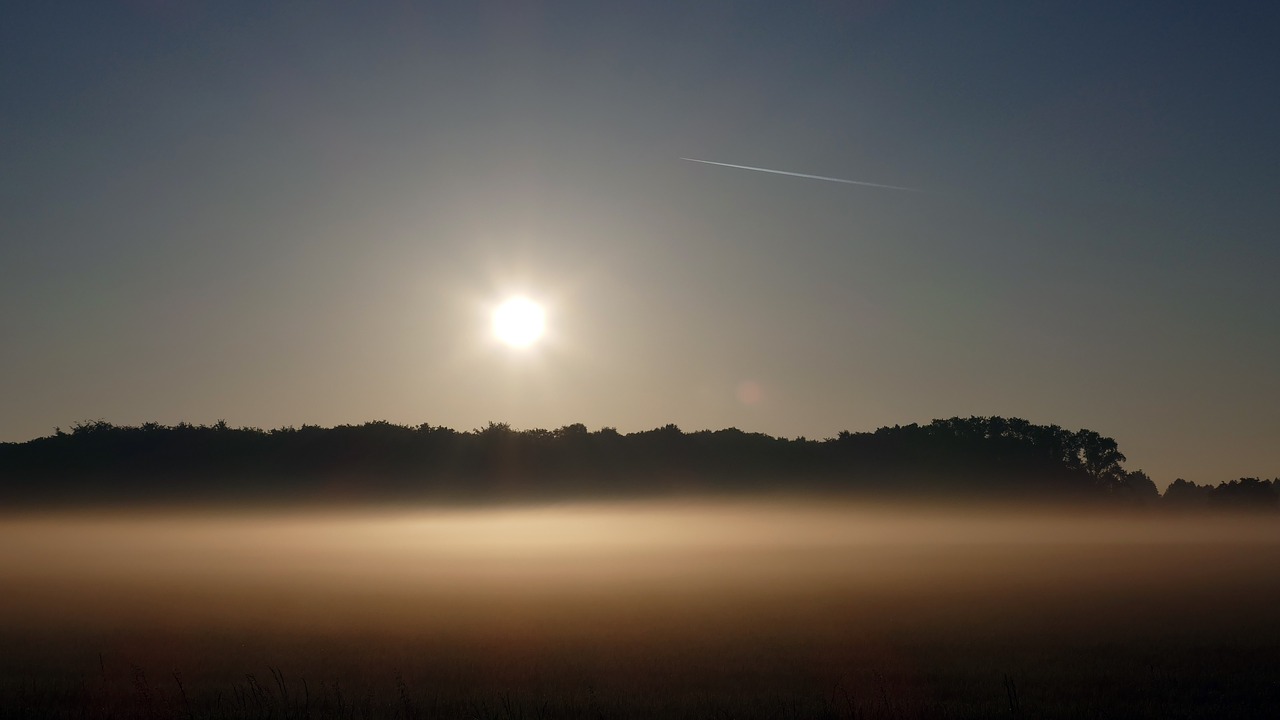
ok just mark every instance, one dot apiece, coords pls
pixel 721 610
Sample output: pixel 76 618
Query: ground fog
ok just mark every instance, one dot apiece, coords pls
pixel 641 610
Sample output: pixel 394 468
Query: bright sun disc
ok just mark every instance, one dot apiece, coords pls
pixel 519 322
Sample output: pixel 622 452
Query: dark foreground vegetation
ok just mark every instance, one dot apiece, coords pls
pixel 1121 680
pixel 969 457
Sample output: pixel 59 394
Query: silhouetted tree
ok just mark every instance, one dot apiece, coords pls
pixel 1184 494
pixel 991 456
pixel 1136 487
pixel 1246 493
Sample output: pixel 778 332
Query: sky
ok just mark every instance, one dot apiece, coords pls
pixel 304 212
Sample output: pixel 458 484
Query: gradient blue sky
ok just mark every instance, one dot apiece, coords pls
pixel 301 212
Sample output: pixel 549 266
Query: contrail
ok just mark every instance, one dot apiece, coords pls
pixel 802 175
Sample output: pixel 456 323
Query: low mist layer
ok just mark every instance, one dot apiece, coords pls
pixel 659 599
pixel 435 570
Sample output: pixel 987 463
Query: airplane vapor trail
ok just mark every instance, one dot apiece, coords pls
pixel 802 175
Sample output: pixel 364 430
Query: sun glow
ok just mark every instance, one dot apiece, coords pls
pixel 519 322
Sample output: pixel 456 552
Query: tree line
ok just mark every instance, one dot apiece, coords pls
pixel 995 457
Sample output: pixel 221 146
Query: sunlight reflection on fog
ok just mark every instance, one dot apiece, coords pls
pixel 436 567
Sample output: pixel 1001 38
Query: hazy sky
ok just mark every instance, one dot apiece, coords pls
pixel 285 213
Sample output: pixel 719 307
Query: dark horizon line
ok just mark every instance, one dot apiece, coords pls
pixel 990 457
pixel 222 424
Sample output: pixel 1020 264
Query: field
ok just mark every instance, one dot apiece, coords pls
pixel 768 609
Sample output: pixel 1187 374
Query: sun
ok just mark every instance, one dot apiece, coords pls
pixel 519 322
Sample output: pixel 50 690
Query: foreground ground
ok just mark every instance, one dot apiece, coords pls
pixel 777 610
